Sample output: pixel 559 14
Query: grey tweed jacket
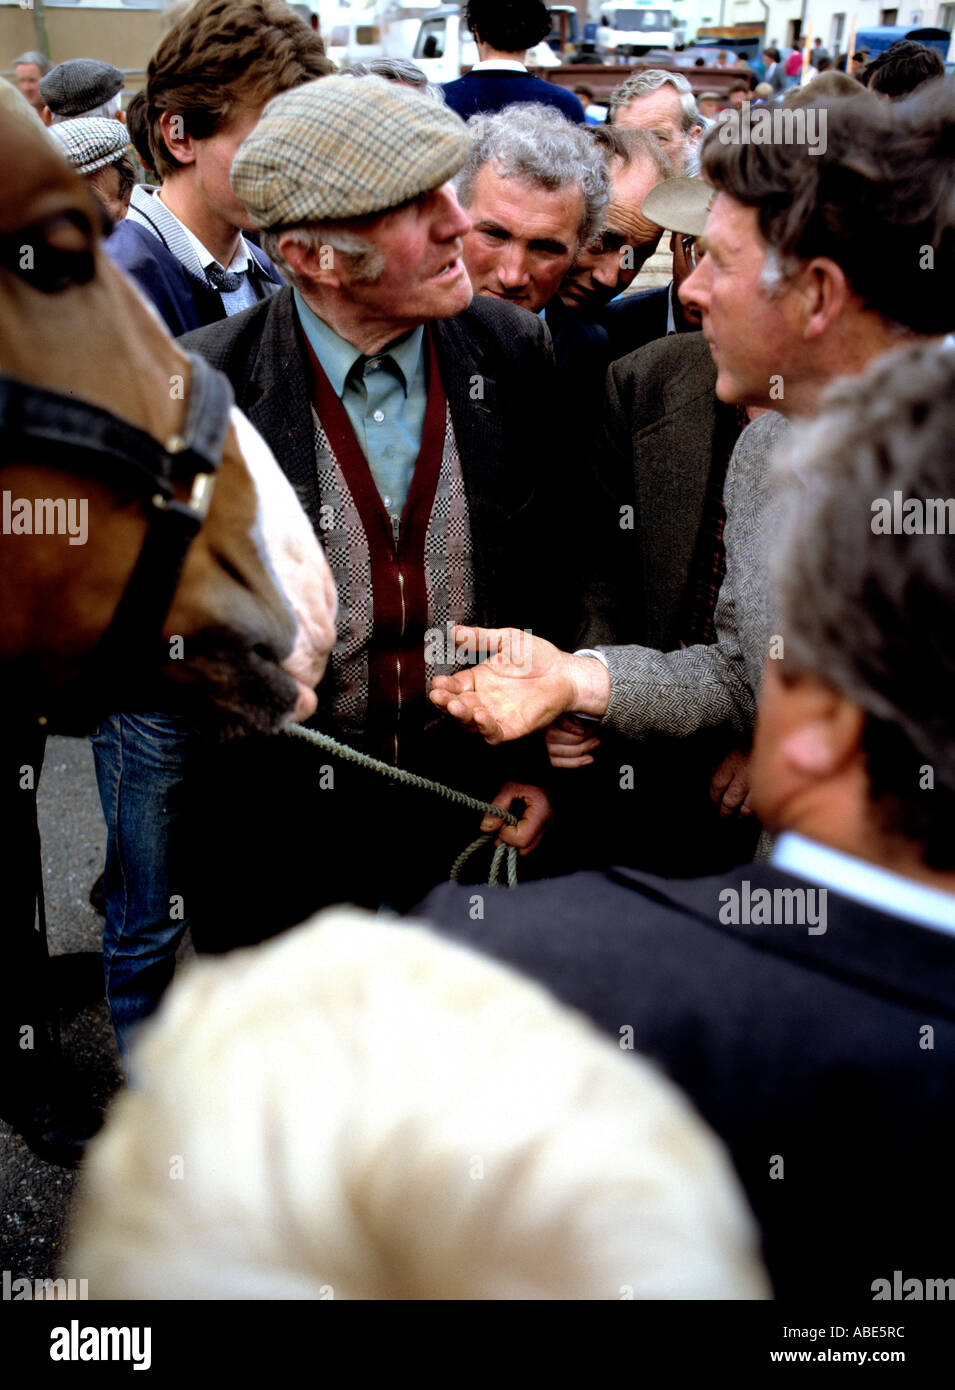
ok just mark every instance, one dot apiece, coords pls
pixel 682 692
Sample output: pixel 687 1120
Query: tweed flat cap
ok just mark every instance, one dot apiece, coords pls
pixel 78 85
pixel 339 147
pixel 91 142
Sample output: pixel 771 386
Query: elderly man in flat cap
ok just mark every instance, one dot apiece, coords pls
pixel 98 149
pixel 398 406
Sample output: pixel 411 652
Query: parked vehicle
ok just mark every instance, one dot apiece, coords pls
pixel 883 36
pixel 628 31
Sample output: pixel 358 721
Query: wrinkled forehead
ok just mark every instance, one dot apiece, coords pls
pixel 661 106
pixel 37 182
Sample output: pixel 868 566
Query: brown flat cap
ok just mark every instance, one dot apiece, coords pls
pixel 336 148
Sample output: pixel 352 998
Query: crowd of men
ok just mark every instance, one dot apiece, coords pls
pixel 660 539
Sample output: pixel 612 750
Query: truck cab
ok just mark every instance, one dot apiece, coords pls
pixel 628 31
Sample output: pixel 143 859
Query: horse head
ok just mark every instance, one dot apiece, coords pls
pixel 250 622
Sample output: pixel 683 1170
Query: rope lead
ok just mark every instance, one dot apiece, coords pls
pixel 425 784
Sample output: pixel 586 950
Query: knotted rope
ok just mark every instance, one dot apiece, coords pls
pixel 412 779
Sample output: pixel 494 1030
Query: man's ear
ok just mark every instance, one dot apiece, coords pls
pixel 316 264
pixel 825 295
pixel 179 144
pixel 824 732
pixel 46 116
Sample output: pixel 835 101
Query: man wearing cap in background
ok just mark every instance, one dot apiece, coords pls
pixel 97 148
pixel 709 105
pixel 82 87
pixel 27 70
pixel 398 408
pixel 679 206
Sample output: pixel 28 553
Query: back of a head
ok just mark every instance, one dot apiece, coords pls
pixel 825 86
pixel 510 26
pixel 137 125
pixel 876 195
pixel 218 53
pixel 903 68
pixel 363 1110
pixel 538 146
pixel 864 562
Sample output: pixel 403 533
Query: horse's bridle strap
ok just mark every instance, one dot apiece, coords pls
pixel 45 426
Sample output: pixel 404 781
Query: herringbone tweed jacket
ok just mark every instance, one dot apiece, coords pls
pixel 700 687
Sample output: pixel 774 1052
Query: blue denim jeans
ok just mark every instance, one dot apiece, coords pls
pixel 140 769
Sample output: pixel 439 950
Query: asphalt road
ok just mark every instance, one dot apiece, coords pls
pixel 36 1196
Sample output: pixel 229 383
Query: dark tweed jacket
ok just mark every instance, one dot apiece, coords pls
pixel 497 368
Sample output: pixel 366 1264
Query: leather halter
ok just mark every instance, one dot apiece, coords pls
pixel 45 427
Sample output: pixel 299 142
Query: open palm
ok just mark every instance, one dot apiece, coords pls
pixel 523 685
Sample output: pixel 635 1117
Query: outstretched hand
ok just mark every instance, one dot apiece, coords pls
pixel 525 684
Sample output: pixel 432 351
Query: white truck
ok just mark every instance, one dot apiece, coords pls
pixel 627 31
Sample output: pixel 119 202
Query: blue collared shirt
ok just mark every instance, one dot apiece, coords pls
pixel 865 883
pixel 385 398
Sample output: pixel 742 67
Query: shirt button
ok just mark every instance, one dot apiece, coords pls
pixel 374 364
pixel 387 502
pixel 378 416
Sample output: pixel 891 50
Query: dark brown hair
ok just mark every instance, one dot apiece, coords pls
pixel 877 197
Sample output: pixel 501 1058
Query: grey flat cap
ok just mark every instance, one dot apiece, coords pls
pixel 680 205
pixel 79 85
pixel 91 142
pixel 336 149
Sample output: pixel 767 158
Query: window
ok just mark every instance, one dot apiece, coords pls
pixel 946 17
pixel 888 16
pixel 838 28
pixel 431 37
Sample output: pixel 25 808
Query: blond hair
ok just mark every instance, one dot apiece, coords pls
pixel 361 1109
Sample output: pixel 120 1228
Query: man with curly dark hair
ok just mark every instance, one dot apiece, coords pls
pixel 503 33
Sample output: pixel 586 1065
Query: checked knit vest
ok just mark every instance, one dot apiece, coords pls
pixel 400 589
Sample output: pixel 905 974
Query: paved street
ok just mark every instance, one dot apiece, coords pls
pixel 36 1195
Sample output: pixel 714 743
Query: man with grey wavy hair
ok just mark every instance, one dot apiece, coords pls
pixel 27 70
pixel 663 103
pixel 536 191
